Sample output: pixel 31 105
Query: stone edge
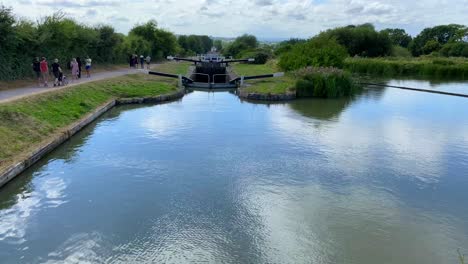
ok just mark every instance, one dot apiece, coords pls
pixel 14 170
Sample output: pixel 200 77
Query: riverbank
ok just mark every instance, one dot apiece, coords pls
pixel 30 127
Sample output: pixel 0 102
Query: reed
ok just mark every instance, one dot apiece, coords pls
pixel 455 68
pixel 324 82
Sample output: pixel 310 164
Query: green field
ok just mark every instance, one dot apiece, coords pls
pixel 28 121
pixel 280 85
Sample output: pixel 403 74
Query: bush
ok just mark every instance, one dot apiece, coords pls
pixel 318 52
pixel 399 51
pixel 362 40
pixel 325 83
pixel 455 49
pixel 260 55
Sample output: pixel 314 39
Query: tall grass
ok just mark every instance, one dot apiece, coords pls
pixel 426 67
pixel 324 83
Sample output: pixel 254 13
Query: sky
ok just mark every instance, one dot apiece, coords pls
pixel 267 19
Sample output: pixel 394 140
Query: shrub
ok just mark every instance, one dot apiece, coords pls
pixel 324 82
pixel 399 51
pixel 318 52
pixel 362 40
pixel 456 49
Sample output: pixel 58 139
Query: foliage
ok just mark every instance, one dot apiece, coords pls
pixel 431 46
pixel 399 51
pixel 287 45
pixel 362 40
pixel 424 66
pixel 194 44
pixel 398 36
pixel 58 36
pixel 441 34
pixel 218 44
pixel 28 121
pixel 162 43
pixel 315 52
pixel 324 83
pixel 261 55
pixel 241 44
pixel 455 49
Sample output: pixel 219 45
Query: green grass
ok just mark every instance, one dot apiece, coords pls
pixel 455 68
pixel 173 67
pixel 280 85
pixel 28 121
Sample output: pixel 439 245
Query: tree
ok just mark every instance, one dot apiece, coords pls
pixel 163 43
pixel 318 51
pixel 441 34
pixel 361 40
pixel 431 46
pixel 218 44
pixel 287 45
pixel 398 36
pixel 240 44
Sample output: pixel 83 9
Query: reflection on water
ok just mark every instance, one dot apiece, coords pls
pixel 380 178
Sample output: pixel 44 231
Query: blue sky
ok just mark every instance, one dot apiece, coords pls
pixel 264 18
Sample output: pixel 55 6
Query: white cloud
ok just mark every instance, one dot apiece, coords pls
pixel 265 18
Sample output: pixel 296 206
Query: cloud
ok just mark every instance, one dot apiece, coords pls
pixel 228 18
pixel 76 4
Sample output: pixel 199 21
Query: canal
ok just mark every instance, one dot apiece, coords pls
pixel 380 178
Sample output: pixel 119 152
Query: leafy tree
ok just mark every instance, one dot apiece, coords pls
pixel 361 40
pixel 441 34
pixel 319 52
pixel 455 49
pixel 431 46
pixel 163 43
pixel 287 45
pixel 218 44
pixel 398 36
pixel 240 44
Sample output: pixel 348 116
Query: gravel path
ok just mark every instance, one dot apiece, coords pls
pixel 16 93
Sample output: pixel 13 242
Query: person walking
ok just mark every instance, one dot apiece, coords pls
pixel 36 65
pixel 148 62
pixel 78 60
pixel 142 61
pixel 56 70
pixel 44 67
pixel 88 66
pixel 74 69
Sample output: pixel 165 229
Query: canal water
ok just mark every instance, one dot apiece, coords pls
pixel 380 178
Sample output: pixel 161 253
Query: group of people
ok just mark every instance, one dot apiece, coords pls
pixel 41 69
pixel 134 60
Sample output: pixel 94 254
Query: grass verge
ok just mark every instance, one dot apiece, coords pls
pixel 280 85
pixel 26 122
pixel 172 67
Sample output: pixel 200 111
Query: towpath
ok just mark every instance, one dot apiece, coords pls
pixel 8 95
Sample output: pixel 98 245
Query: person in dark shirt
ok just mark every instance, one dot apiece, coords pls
pixel 56 70
pixel 79 66
pixel 36 65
